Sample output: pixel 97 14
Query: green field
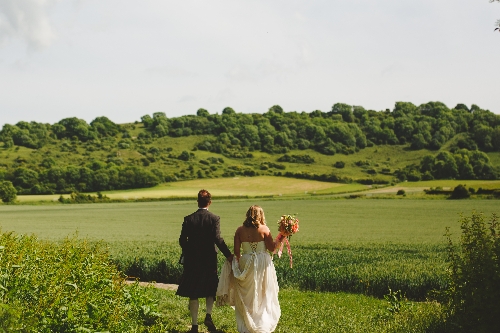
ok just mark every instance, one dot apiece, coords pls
pixel 316 312
pixel 322 221
pixel 237 186
pixel 361 247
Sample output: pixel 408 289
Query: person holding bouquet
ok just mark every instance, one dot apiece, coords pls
pixel 249 283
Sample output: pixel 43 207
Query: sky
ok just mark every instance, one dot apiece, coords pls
pixel 124 59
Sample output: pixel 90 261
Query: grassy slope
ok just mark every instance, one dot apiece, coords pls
pixel 378 157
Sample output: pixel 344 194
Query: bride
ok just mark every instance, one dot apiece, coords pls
pixel 249 283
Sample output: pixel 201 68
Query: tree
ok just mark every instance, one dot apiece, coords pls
pixel 75 127
pixel 147 120
pixel 344 110
pixel 8 192
pixel 228 110
pixel 460 192
pixel 105 127
pixel 202 113
pixel 276 109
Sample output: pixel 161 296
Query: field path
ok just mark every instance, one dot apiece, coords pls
pixel 165 286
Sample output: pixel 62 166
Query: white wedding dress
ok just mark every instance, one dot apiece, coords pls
pixel 251 286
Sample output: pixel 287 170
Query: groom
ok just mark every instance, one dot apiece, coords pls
pixel 200 233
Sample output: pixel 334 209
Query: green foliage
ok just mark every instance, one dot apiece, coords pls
pixel 296 159
pixel 76 197
pixel 139 156
pixel 105 127
pixel 461 164
pixel 396 301
pixel 415 270
pixel 460 192
pixel 66 287
pixel 8 192
pixel 314 312
pixel 96 176
pixel 339 164
pixel 474 296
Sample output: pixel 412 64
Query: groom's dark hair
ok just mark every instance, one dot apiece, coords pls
pixel 204 198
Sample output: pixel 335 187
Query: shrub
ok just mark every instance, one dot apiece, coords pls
pixel 8 192
pixel 473 294
pixel 339 164
pixel 70 286
pixel 296 159
pixel 460 192
pixel 401 192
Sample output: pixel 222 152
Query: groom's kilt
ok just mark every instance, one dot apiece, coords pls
pixel 199 278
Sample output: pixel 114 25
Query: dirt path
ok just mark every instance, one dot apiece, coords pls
pixel 156 285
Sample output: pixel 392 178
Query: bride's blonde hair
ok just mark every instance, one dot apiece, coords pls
pixel 255 217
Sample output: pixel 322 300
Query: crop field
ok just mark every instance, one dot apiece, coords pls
pixel 349 245
pixel 359 246
pixel 322 221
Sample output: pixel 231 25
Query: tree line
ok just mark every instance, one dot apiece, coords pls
pixel 345 129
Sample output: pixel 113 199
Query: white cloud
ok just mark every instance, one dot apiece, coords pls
pixel 123 58
pixel 27 20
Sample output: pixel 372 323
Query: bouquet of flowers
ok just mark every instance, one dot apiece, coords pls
pixel 288 225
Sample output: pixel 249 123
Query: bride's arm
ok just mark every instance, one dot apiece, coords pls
pixel 272 244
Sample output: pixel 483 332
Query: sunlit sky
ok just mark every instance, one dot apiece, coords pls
pixel 124 59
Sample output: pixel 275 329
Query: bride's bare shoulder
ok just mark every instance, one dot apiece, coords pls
pixel 264 228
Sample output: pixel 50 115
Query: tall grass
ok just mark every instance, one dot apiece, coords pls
pixel 365 269
pixel 70 286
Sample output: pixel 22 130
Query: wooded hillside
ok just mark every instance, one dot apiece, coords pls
pixel 72 155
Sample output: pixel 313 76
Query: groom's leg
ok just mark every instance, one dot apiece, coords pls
pixel 208 318
pixel 193 308
pixel 210 304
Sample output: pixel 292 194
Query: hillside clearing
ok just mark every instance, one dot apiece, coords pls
pixel 236 186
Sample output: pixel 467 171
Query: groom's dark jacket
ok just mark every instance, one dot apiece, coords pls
pixel 199 237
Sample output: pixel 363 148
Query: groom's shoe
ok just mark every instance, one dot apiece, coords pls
pixel 209 323
pixel 194 329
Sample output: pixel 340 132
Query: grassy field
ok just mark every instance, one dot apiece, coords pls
pixel 315 312
pixel 322 221
pixel 238 186
pixel 485 184
pixel 268 186
pixel 356 246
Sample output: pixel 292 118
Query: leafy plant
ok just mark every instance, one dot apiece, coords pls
pixel 474 293
pixel 396 300
pixel 70 286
